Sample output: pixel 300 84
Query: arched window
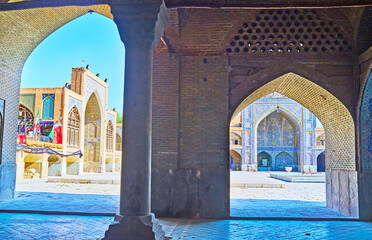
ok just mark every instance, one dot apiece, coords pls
pixel 73 128
pixel 235 139
pixel 109 137
pixel 320 140
pixel 118 143
pixel 25 113
pixel 48 108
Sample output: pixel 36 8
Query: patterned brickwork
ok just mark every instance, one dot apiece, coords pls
pixel 21 32
pixel 204 119
pixel 165 111
pixel 336 119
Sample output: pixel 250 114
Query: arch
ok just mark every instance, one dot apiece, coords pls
pixel 235 160
pixel 54 158
pixel 92 138
pixel 118 143
pixel 73 127
pixel 25 113
pixel 109 137
pixel 235 139
pixel 48 108
pixel 98 99
pixel 33 165
pixel 264 161
pixel 291 118
pixel 284 159
pixel 320 140
pixel 325 106
pixel 320 162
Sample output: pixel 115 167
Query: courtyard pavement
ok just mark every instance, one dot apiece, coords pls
pixel 290 200
pixel 57 227
pixel 293 200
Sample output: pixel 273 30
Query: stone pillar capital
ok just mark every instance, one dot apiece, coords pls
pixel 140 23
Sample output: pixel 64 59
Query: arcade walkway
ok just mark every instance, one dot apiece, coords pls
pixel 36 226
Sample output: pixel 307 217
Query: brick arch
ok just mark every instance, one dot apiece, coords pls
pixel 259 77
pixel 335 117
pixel 21 32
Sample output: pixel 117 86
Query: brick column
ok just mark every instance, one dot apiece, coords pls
pixel 140 26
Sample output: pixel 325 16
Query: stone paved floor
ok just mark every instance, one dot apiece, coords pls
pixel 264 208
pixel 295 200
pixel 57 227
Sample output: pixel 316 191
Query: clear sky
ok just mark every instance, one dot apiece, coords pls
pixel 93 38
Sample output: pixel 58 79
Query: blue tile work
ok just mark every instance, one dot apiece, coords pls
pixel 366 126
pixel 57 227
pixel 93 86
pixel 28 100
pixel 111 117
pixel 48 106
pixel 264 130
pixel 74 102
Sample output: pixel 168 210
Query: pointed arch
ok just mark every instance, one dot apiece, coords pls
pixel 118 143
pixel 25 113
pixel 48 108
pixel 94 96
pixel 73 127
pixel 235 139
pixel 325 106
pixel 110 136
pixel 92 143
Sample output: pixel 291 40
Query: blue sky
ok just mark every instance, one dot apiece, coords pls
pixel 92 38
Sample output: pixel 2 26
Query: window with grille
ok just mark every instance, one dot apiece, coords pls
pixel 109 137
pixel 73 128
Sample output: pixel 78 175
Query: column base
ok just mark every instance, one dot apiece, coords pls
pixel 135 227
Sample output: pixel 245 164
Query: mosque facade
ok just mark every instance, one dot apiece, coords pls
pixel 75 122
pixel 275 133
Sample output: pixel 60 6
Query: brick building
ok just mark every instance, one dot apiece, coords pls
pixel 275 132
pixel 80 106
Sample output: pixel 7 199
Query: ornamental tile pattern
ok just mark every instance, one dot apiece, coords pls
pixel 366 126
pixel 74 102
pixel 91 87
pixel 111 117
pixel 28 100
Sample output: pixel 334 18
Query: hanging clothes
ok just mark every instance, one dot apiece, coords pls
pixel 57 138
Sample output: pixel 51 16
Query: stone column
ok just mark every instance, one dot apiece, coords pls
pixel 63 166
pixel 20 165
pixel 140 26
pixel 44 165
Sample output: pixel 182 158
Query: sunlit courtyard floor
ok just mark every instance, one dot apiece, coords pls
pixel 55 227
pixel 293 200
